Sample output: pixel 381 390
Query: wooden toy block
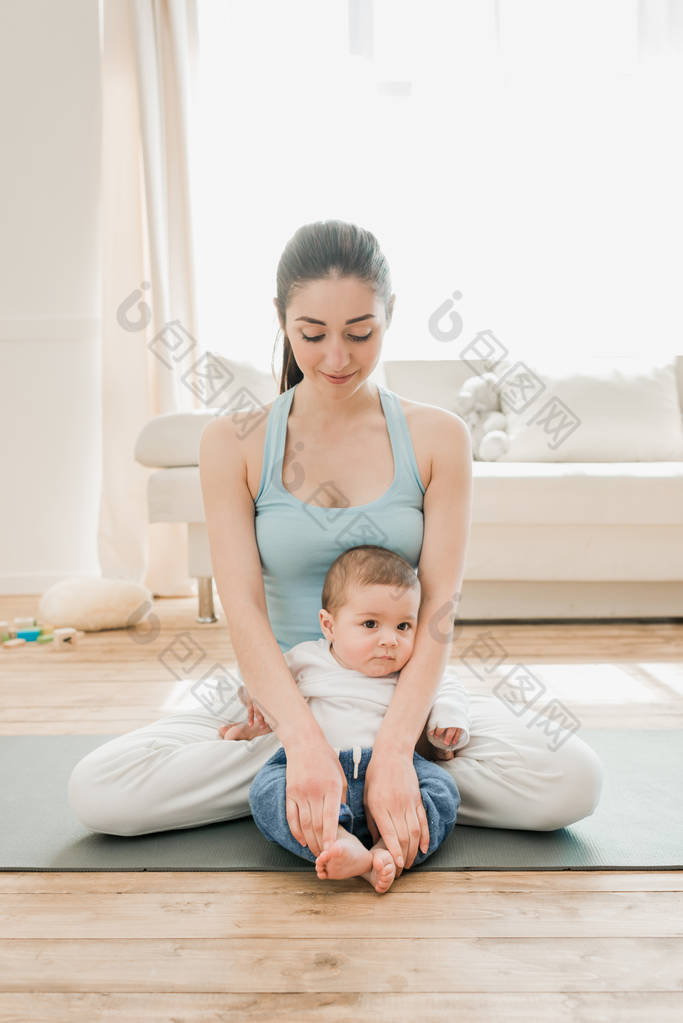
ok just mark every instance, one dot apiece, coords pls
pixel 8 644
pixel 24 623
pixel 66 638
pixel 30 635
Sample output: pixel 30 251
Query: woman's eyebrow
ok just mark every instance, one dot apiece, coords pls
pixel 356 319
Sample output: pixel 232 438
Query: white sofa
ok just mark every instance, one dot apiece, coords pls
pixel 549 540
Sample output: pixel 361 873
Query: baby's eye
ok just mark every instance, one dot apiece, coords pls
pixel 373 620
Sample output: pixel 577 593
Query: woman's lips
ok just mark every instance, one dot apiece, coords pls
pixel 339 380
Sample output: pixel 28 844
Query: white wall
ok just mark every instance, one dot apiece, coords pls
pixel 50 420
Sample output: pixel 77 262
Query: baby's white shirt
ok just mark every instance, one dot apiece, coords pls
pixel 349 706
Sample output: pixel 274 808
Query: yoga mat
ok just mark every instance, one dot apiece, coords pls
pixel 638 824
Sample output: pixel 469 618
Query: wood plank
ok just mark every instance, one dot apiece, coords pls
pixel 343 1007
pixel 343 964
pixel 410 914
pixel 279 883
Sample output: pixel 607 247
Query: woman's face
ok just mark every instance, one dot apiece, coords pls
pixel 335 327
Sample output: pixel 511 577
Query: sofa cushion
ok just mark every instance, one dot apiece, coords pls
pixel 245 384
pixel 173 439
pixel 635 422
pixel 600 412
pixel 578 492
pixel 435 382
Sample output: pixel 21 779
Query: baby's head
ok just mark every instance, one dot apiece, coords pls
pixel 371 599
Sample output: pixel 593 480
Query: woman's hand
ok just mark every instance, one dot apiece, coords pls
pixel 393 806
pixel 316 786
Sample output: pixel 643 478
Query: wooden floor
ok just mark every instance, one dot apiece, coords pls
pixel 550 946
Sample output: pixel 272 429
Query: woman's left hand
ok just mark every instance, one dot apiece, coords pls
pixel 393 806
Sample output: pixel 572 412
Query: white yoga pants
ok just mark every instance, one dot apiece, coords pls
pixel 178 773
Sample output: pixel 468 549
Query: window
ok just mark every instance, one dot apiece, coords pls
pixel 524 154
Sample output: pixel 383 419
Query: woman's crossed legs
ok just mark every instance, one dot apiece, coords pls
pixel 177 772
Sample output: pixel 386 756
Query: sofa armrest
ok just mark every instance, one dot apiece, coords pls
pixel 172 439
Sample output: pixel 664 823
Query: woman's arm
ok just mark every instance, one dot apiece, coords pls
pixel 447 518
pixel 313 797
pixel 229 512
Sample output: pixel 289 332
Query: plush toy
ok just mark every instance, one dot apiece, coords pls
pixel 478 403
pixel 93 603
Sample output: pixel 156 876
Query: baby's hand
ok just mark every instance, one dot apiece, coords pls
pixel 245 730
pixel 450 737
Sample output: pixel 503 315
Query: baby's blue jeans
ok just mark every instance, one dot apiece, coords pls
pixel 440 797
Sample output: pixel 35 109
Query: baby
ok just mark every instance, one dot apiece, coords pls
pixel 371 599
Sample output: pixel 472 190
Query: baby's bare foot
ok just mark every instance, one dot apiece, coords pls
pixel 346 857
pixel 243 730
pixel 383 871
pixel 231 731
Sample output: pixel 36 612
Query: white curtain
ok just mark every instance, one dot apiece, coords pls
pixel 149 334
pixel 660 28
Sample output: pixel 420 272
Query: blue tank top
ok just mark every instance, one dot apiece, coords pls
pixel 298 539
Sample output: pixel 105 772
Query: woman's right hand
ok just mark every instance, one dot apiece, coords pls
pixel 315 788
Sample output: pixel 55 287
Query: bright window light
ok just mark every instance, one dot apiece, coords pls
pixel 530 162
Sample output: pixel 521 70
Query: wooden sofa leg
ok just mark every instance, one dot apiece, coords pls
pixel 205 591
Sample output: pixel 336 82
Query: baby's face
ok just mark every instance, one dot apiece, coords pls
pixel 374 632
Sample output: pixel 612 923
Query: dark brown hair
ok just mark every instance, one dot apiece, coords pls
pixel 365 565
pixel 324 249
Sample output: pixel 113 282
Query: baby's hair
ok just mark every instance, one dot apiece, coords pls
pixel 365 565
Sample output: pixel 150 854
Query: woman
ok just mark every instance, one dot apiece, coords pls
pixel 337 462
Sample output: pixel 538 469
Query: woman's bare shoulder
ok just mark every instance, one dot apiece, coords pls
pixel 433 428
pixel 427 413
pixel 232 434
